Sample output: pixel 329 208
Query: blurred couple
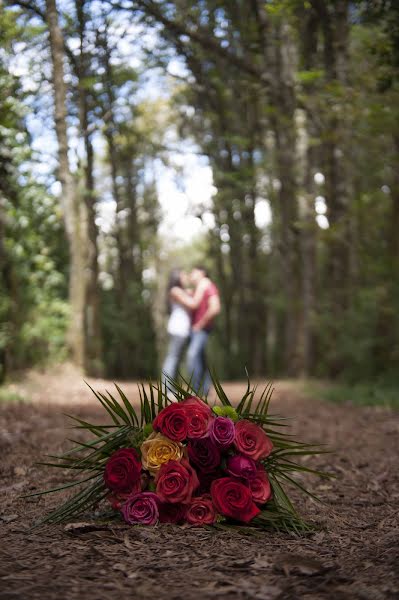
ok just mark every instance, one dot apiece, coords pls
pixel 193 303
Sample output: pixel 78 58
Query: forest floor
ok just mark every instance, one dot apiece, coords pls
pixel 353 554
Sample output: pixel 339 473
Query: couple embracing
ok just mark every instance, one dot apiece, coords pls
pixel 193 303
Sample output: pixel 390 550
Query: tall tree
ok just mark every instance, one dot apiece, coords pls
pixel 83 70
pixel 74 210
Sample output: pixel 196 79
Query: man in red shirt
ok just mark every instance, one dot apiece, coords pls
pixel 206 305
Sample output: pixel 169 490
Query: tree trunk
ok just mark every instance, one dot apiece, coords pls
pixel 74 210
pixel 307 166
pixel 308 157
pixel 386 346
pixel 278 60
pixel 393 234
pixel 93 357
pixel 6 288
pixel 92 322
pixel 125 353
pixel 227 298
pixel 285 134
pixel 338 184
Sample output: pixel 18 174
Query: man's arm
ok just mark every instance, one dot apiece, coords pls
pixel 212 310
pixel 191 302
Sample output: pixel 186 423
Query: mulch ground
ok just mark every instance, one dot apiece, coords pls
pixel 353 555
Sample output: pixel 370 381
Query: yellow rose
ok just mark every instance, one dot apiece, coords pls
pixel 157 450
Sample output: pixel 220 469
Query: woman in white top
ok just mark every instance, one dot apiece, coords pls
pixel 179 324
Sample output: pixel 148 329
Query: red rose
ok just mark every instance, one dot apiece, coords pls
pixel 201 511
pixel 172 421
pixel 122 471
pixel 141 509
pixel 171 513
pixel 260 487
pixel 251 440
pixel 199 415
pixel 176 482
pixel 204 454
pixel 241 466
pixel 198 405
pixel 233 499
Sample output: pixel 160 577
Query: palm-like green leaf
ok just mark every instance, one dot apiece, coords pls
pixel 219 390
pixel 130 409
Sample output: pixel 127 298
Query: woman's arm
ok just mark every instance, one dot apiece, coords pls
pixel 180 296
pixel 190 302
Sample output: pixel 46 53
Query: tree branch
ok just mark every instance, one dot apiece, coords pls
pixel 33 8
pixel 201 36
pixel 25 4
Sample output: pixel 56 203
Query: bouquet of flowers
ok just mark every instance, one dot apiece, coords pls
pixel 187 462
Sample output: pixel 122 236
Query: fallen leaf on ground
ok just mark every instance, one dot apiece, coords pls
pixel 299 564
pixel 84 527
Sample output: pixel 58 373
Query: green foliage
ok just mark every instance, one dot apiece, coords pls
pixel 380 392
pixel 33 257
pixel 9 396
pixel 130 344
pixel 43 335
pixel 309 77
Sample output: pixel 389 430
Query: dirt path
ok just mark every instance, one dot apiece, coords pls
pixel 353 556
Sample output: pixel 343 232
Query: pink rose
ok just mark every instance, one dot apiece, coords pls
pixel 241 466
pixel 233 499
pixel 122 471
pixel 260 486
pixel 141 509
pixel 204 454
pixel 222 432
pixel 199 415
pixel 201 511
pixel 251 440
pixel 172 421
pixel 176 482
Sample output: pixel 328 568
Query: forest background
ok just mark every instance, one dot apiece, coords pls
pixel 258 137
